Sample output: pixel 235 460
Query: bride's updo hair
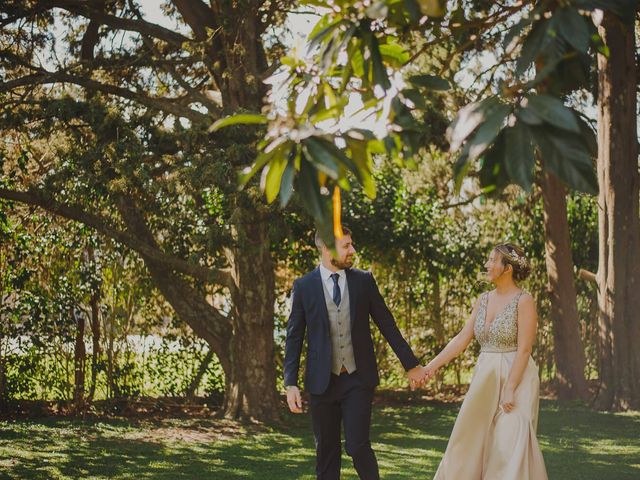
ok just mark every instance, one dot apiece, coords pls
pixel 514 255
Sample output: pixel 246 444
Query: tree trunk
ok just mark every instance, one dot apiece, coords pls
pixel 619 253
pixel 568 350
pixel 242 340
pixel 4 397
pixel 250 387
pixel 95 341
pixel 79 358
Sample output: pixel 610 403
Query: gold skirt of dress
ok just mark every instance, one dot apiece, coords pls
pixel 488 444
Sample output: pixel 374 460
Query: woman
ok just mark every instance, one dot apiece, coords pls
pixel 494 437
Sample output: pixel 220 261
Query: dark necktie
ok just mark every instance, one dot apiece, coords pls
pixel 336 289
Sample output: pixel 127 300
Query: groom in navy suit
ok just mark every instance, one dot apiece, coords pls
pixel 334 303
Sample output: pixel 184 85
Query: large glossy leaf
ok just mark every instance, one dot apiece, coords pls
pixel 308 189
pixel 281 150
pixel 380 76
pixel 467 120
pixel 286 184
pixel 432 82
pixel 394 54
pixel 553 111
pixel 493 173
pixel 322 31
pixel 239 119
pixel 488 131
pixel 589 137
pixel 573 28
pixel 272 176
pixel 532 44
pixel 416 97
pixel 323 160
pixel 362 159
pixel 460 169
pixel 567 156
pixel 625 9
pixel 413 9
pixel 519 156
pixel 528 116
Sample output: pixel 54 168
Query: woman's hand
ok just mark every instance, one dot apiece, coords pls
pixel 508 400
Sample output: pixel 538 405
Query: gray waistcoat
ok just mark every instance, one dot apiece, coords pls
pixel 340 324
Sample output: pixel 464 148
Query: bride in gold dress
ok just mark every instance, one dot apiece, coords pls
pixel 494 437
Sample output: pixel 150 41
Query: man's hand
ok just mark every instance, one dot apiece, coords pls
pixel 417 376
pixel 294 399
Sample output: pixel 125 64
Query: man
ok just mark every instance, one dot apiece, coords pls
pixel 334 302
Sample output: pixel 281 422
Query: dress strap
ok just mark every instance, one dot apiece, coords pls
pixel 485 299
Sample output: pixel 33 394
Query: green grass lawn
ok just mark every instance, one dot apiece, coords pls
pixel 409 439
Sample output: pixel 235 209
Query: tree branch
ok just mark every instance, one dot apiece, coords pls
pixel 80 7
pixel 103 226
pixel 587 275
pixel 164 104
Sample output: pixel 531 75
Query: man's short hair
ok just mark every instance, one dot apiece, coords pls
pixel 320 242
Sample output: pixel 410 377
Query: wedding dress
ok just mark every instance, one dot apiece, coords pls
pixel 487 443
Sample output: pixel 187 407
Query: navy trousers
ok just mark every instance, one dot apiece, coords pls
pixel 346 401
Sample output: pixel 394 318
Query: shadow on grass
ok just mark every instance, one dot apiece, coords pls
pixel 409 441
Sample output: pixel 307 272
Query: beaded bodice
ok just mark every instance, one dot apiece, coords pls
pixel 501 335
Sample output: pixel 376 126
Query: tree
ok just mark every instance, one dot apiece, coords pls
pixel 619 261
pixel 109 125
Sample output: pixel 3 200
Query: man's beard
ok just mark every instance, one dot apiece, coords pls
pixel 342 265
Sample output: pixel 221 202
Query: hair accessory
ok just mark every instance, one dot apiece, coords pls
pixel 520 260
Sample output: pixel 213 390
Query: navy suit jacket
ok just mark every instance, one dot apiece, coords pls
pixel 309 312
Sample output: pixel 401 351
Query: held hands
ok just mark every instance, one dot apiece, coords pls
pixel 294 399
pixel 419 375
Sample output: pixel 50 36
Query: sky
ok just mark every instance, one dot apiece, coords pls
pixel 300 25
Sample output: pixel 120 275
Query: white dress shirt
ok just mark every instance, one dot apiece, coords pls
pixel 325 273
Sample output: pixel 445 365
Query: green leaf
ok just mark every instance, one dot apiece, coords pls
pixel 321 158
pixel 488 131
pixel 432 82
pixel 573 28
pixel 625 9
pixel 528 116
pixel 380 76
pixel 416 97
pixel 362 159
pixel 467 120
pixel 519 157
pixel 263 158
pixel 320 31
pixel 239 119
pixel 532 44
pixel 588 136
pixel 568 157
pixel 286 184
pixel 460 169
pixel 493 173
pixel 337 154
pixel 413 9
pixel 394 54
pixel 308 189
pixel 553 112
pixel 273 176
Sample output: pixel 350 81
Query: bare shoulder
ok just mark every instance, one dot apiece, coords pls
pixel 526 301
pixel 476 301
